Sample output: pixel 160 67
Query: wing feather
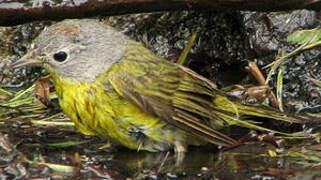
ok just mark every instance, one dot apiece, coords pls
pixel 171 92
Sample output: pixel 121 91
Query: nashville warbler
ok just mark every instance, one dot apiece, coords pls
pixel 113 87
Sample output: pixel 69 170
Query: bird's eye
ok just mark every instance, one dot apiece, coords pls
pixel 60 56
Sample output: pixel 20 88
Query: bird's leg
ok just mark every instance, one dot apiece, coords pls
pixel 180 150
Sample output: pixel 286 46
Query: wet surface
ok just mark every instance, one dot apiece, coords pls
pixel 32 152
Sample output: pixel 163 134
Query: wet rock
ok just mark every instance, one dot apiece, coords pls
pixel 268 34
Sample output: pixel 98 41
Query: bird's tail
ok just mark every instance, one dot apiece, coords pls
pixel 234 112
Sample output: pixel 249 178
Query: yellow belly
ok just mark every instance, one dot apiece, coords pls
pixel 97 109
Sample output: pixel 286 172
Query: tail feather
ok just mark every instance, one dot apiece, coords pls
pixel 234 111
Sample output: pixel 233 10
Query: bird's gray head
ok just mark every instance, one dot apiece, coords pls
pixel 78 49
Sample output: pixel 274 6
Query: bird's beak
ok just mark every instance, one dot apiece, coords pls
pixel 27 59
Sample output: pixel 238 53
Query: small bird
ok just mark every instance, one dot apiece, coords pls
pixel 113 87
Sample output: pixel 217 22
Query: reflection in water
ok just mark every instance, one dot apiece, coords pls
pixel 243 162
pixel 195 159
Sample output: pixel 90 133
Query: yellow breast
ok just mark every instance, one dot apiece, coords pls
pixel 97 109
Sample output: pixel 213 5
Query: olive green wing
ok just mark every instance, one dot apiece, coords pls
pixel 170 92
